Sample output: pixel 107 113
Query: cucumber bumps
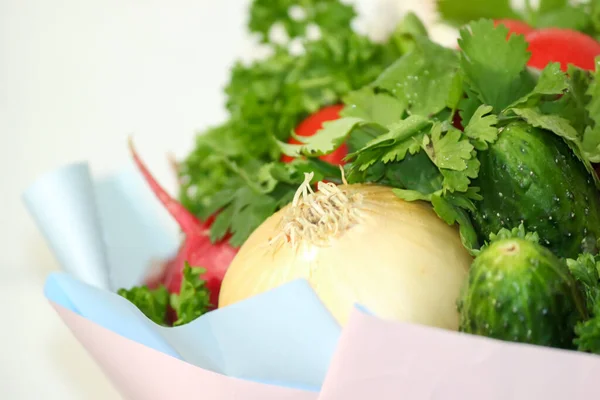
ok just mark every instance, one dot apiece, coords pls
pixel 531 176
pixel 519 291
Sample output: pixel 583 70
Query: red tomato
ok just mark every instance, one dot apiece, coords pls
pixel 514 26
pixel 312 124
pixel 564 46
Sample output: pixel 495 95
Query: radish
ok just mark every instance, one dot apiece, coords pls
pixel 311 125
pixel 564 46
pixel 196 249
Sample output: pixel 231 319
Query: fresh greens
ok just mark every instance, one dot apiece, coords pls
pixel 193 299
pixel 493 67
pixel 431 154
pixel 191 302
pixel 268 98
pixel 297 16
pixel 151 302
pixel 586 270
pixel 583 16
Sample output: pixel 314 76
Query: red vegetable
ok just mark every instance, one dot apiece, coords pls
pixel 312 124
pixel 196 249
pixel 514 26
pixel 564 46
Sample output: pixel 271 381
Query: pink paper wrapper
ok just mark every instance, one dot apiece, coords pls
pixel 375 359
pixel 383 360
pixel 141 373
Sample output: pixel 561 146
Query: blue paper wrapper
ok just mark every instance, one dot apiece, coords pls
pixel 105 235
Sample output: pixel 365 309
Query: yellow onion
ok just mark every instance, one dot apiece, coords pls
pixel 360 244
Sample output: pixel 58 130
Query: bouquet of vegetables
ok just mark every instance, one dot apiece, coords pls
pixel 445 191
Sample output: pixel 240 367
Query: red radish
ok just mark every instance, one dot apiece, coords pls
pixel 196 249
pixel 457 122
pixel 564 46
pixel 514 26
pixel 312 124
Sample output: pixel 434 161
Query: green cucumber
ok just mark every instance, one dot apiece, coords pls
pixel 519 291
pixel 531 176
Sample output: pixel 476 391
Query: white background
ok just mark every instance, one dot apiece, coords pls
pixel 77 77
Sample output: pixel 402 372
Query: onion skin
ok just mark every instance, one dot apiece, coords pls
pixel 401 262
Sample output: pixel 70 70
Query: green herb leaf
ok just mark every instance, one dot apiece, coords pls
pixel 553 123
pixel 482 127
pixel 295 17
pixel 568 17
pixel 450 150
pixel 588 333
pixel 325 141
pixel 552 81
pixel 451 214
pixel 590 145
pixel 193 299
pixel 266 101
pixel 423 78
pixel 586 270
pixel 459 181
pixel 411 195
pixel 460 12
pixel 380 108
pixel 494 67
pixel 407 30
pixel 591 136
pixel 573 105
pixel 152 303
pixel 402 137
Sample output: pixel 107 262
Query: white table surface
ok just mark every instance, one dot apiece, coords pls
pixel 76 77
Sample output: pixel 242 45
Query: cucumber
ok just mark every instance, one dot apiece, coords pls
pixel 531 176
pixel 519 291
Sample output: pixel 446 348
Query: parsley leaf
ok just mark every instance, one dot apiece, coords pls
pixel 450 150
pixel 402 137
pixel 581 16
pixel 460 12
pixel 552 81
pixel 415 172
pixel 331 16
pixel 460 180
pixel 377 107
pixel 572 104
pixel 482 127
pixel 325 141
pixel 193 299
pixel 151 302
pixel 451 214
pixel 591 136
pixel 586 270
pixel 588 332
pixel 553 123
pixel 494 67
pixel 422 79
pixel 566 17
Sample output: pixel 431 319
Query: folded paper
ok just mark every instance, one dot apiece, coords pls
pixel 285 337
pixel 142 373
pixel 384 359
pixel 282 344
pixel 63 204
